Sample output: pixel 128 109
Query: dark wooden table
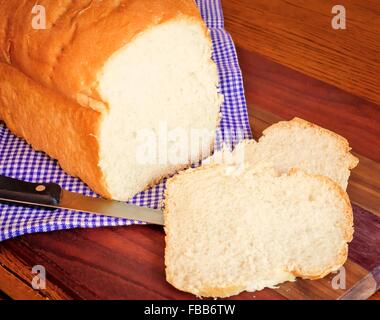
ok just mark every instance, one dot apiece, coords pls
pixel 294 64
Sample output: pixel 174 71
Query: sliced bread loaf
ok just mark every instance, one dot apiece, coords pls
pixel 104 81
pixel 228 231
pixel 301 144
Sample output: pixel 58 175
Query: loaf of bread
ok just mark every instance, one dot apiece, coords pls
pixel 304 145
pixel 99 74
pixel 227 233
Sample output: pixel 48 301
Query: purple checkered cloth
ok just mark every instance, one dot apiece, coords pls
pixel 19 160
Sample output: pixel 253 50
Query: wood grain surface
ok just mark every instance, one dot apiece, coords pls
pixel 298 34
pixel 294 64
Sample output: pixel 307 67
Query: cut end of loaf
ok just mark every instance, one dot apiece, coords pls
pixel 226 234
pixel 160 88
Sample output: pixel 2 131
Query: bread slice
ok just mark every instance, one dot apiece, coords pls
pixel 229 230
pixel 301 144
pixel 106 87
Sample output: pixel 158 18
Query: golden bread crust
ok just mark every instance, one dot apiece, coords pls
pixel 52 123
pixel 79 38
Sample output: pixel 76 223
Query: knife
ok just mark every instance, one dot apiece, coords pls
pixel 51 195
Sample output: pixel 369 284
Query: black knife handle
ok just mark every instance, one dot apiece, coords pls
pixel 35 193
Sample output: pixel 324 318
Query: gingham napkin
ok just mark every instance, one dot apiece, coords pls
pixel 19 160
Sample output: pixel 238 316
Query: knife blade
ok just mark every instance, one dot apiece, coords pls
pixel 51 195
